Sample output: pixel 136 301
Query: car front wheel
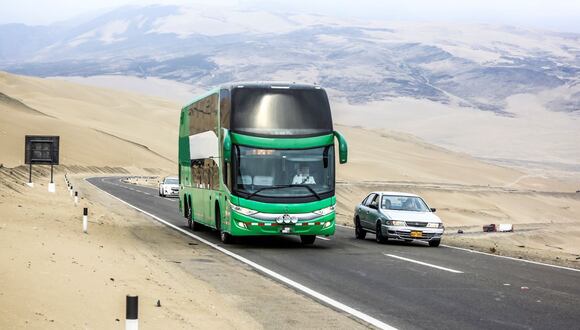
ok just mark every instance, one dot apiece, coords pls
pixel 379 234
pixel 435 243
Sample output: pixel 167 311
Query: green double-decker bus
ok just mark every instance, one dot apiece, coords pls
pixel 259 159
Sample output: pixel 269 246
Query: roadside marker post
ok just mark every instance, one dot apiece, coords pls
pixel 85 219
pixel 51 185
pixel 76 198
pixel 71 191
pixel 29 183
pixel 132 313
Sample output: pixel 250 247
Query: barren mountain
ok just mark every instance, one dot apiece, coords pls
pixel 475 66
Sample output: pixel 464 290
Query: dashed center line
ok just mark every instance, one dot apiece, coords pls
pixel 424 263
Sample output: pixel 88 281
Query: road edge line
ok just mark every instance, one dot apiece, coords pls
pixel 318 296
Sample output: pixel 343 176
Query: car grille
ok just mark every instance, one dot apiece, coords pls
pixel 404 234
pixel 416 224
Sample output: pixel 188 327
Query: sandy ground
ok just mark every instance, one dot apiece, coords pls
pixel 554 243
pixel 56 277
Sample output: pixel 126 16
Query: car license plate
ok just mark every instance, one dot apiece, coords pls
pixel 416 234
pixel 286 230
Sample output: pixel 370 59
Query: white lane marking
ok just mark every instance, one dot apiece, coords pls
pixel 327 300
pixel 494 255
pixel 323 238
pixel 424 263
pixel 511 258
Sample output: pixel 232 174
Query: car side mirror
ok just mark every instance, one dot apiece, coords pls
pixel 342 148
pixel 433 209
pixel 227 146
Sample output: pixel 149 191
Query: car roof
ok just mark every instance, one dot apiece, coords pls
pixel 171 177
pixel 395 193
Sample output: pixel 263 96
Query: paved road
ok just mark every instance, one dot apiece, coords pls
pixel 467 291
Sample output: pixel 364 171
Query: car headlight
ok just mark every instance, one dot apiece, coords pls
pixel 325 211
pixel 397 223
pixel 242 210
pixel 434 225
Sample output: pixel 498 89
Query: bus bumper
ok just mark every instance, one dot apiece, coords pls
pixel 248 226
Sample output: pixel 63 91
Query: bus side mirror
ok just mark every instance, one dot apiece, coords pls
pixel 342 148
pixel 227 147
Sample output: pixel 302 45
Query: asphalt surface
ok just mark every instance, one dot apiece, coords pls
pixel 467 291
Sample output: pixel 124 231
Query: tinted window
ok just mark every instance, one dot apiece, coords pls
pixel 266 111
pixel 203 115
pixel 225 107
pixel 404 203
pixel 369 199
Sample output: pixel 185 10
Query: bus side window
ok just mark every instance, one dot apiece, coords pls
pixel 225 108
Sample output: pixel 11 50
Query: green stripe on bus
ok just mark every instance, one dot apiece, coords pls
pixel 282 143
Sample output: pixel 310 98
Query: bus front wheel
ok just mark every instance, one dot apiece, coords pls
pixel 307 239
pixel 225 237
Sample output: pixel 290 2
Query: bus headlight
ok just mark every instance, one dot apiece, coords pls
pixel 434 225
pixel 325 211
pixel 242 210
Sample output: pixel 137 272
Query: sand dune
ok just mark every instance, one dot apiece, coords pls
pixel 98 127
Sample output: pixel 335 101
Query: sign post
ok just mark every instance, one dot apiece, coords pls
pixel 43 150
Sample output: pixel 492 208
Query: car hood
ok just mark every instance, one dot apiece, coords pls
pixel 411 216
pixel 167 185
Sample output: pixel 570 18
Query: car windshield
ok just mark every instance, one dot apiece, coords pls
pixel 403 203
pixel 284 172
pixel 171 181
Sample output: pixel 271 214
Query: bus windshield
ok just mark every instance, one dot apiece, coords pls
pixel 284 172
pixel 280 112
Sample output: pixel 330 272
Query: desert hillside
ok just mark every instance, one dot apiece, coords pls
pixel 101 127
pixel 98 127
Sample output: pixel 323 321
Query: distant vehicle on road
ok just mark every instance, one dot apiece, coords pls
pixel 169 187
pixel 395 215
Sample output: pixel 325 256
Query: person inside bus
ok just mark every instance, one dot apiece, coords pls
pixel 303 176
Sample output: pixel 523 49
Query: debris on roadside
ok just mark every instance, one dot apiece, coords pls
pixel 489 228
pixel 503 227
pixel 460 231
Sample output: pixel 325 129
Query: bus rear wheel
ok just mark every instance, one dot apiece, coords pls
pixel 307 239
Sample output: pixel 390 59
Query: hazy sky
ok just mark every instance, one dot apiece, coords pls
pixel 562 15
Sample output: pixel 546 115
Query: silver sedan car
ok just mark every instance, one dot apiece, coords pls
pixel 395 215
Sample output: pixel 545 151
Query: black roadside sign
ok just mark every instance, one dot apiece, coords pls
pixel 41 149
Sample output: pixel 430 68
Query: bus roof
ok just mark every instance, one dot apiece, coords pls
pixel 253 84
pixel 269 84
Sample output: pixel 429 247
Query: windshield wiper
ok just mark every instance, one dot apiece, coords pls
pixel 307 187
pixel 284 186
